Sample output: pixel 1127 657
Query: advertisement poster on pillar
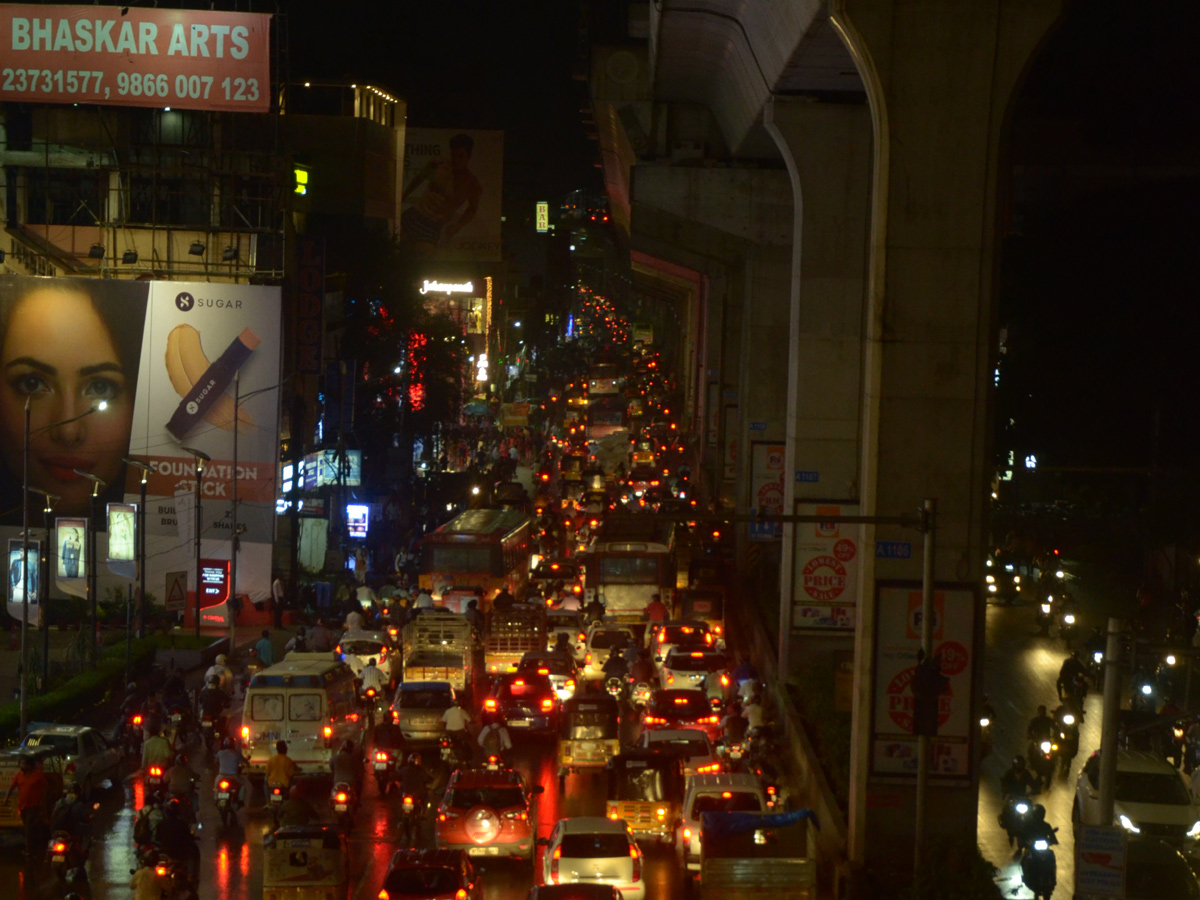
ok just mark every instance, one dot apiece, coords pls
pixel 450 208
pixel 23 580
pixel 766 488
pixel 118 370
pixel 71 561
pixel 827 561
pixel 897 640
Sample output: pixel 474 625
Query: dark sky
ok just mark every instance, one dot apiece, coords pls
pixel 1100 270
pixel 473 64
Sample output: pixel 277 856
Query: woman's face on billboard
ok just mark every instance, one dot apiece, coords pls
pixel 59 353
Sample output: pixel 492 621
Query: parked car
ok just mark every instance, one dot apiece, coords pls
pixel 1152 800
pixel 90 760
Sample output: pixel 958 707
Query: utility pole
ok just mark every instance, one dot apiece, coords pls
pixel 929 524
pixel 1108 725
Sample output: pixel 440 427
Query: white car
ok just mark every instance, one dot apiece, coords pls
pixel 595 850
pixel 569 622
pixel 91 761
pixel 601 639
pixel 1152 799
pixel 663 638
pixel 693 746
pixel 560 667
pixel 357 648
pixel 683 668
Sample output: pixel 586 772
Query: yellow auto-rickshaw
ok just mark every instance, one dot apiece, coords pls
pixel 305 862
pixel 590 733
pixel 645 788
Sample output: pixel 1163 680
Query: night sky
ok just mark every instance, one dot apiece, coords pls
pixel 464 65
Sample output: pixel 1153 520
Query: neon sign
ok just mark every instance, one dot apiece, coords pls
pixel 448 287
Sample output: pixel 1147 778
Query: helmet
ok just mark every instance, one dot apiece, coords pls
pixel 180 759
pixel 294 792
pixel 131 687
pixel 227 744
pixel 173 806
pixel 1018 762
pixel 414 759
pixel 347 746
pixel 220 659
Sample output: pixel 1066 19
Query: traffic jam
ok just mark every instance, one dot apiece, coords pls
pixel 552 709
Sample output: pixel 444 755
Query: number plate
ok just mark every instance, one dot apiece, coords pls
pixel 380 767
pixel 58 857
pixel 224 795
pixel 483 851
pixel 299 843
pixel 519 723
pixel 339 807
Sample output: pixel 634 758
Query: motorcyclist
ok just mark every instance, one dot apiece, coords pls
pixel 495 739
pixel 176 840
pixel 1072 669
pixel 281 768
pixel 230 764
pixel 388 734
pixel 181 781
pixel 562 643
pixel 594 610
pixel 156 751
pixel 458 722
pixel 174 691
pixel 132 701
pixel 295 810
pixel 72 815
pixel 146 883
pixel 643 669
pixel 1018 781
pixel 1037 828
pixel 372 677
pixel 220 668
pixel 733 725
pixel 346 766
pixel 414 781
pixel 615 666
pixel 213 702
pixel 1041 727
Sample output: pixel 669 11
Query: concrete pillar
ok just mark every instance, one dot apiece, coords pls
pixel 939 76
pixel 827 150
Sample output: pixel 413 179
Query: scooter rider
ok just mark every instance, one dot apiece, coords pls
pixel 295 810
pixel 176 839
pixel 615 665
pixel 72 815
pixel 1041 727
pixel 372 677
pixel 213 702
pixel 1018 781
pixel 347 767
pixel 156 751
pixel 230 764
pixel 414 781
pixel 1072 669
pixel 181 782
pixel 643 669
pixel 220 668
pixel 458 723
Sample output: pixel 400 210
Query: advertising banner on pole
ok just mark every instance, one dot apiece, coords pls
pixel 22 576
pixel 71 563
pixel 134 56
pixel 766 488
pixel 897 640
pixel 162 355
pixel 122 539
pixel 827 562
pixel 451 200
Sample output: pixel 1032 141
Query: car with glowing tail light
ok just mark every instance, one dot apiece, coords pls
pixel 686 708
pixel 524 701
pixel 725 792
pixel 693 747
pixel 684 668
pixel 596 850
pixel 357 648
pixel 431 875
pixel 560 668
pixel 663 637
pixel 488 812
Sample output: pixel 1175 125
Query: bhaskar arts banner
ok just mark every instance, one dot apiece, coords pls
pixel 131 56
pixel 452 192
pixel 163 356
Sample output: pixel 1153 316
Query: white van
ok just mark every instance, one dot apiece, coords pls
pixel 731 792
pixel 309 701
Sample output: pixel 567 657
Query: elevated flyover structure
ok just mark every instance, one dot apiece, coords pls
pixel 814 187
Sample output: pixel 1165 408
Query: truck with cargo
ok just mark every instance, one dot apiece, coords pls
pixel 757 856
pixel 511 633
pixel 629 560
pixel 438 646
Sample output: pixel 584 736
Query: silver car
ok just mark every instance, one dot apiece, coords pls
pixel 418 709
pixel 596 850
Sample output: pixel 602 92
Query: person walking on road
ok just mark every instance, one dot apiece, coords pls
pixel 31 788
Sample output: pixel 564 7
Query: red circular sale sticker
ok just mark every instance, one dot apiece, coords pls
pixel 824 578
pixel 900 701
pixel 845 550
pixel 954 657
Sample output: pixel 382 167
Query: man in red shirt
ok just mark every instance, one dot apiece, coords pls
pixel 656 610
pixel 31 787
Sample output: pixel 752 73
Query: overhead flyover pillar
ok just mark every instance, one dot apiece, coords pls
pixel 939 77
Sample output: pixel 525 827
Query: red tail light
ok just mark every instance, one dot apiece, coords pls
pixel 637 862
pixel 224 785
pixel 489 703
pixel 245 732
pixel 547 705
pixel 327 731
pixel 137 720
pixel 340 797
pixel 460 894
pixel 383 895
pixel 160 871
pixel 155 772
pixel 380 756
pixel 60 847
pixel 554 864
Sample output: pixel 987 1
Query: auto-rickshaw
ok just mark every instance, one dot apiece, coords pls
pixel 590 734
pixel 305 862
pixel 645 788
pixel 706 604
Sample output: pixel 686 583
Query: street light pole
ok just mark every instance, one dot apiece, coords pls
pixel 24 664
pixel 201 459
pixel 230 602
pixel 44 585
pixel 141 544
pixel 97 486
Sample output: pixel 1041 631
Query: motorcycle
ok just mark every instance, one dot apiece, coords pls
pixel 1067 627
pixel 133 736
pixel 211 729
pixel 733 754
pixel 66 857
pixel 615 687
pixel 179 726
pixel 344 801
pixel 411 812
pixel 1068 739
pixel 1014 817
pixel 454 753
pixel 227 795
pixel 1043 759
pixel 155 782
pixel 172 873
pixel 985 735
pixel 1039 870
pixel 640 694
pixel 384 767
pixel 276 794
pixel 1045 616
pixel 1096 667
pixel 371 701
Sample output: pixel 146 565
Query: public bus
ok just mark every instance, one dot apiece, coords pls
pixel 630 559
pixel 605 416
pixel 483 549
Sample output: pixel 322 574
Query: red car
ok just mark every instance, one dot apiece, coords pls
pixel 687 708
pixel 431 875
pixel 488 813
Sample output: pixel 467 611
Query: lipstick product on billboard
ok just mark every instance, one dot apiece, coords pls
pixel 211 385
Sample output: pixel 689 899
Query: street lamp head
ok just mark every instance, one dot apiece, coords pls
pixel 101 406
pixel 199 454
pixel 97 482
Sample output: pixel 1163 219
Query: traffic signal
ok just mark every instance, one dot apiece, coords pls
pixel 927 685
